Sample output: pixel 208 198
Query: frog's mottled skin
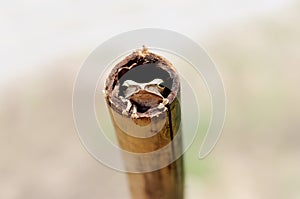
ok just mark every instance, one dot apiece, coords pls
pixel 143 94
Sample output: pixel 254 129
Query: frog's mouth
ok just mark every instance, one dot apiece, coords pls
pixel 144 101
pixel 141 66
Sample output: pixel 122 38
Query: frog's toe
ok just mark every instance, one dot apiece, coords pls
pixel 165 101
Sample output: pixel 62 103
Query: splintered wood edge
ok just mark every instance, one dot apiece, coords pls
pixel 139 57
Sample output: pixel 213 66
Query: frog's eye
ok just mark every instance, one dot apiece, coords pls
pixel 156 81
pixel 129 83
pixel 160 86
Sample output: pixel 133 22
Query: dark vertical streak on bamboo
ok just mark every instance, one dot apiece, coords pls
pixel 167 182
pixel 170 121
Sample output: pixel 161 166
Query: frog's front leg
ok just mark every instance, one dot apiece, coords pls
pixel 163 104
pixel 128 106
pixel 134 114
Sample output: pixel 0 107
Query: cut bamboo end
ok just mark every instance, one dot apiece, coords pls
pixel 143 97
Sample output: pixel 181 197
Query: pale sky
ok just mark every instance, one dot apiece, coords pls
pixel 34 32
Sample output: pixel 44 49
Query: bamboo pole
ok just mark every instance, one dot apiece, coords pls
pixel 146 118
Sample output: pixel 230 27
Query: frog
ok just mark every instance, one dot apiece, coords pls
pixel 143 95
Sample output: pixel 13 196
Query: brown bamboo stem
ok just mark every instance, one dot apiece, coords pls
pixel 167 182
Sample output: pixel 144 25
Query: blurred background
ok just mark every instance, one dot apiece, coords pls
pixel 255 44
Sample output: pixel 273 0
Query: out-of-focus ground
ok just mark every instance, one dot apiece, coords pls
pixel 258 155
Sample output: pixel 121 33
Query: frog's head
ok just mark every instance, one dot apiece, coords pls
pixel 150 87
